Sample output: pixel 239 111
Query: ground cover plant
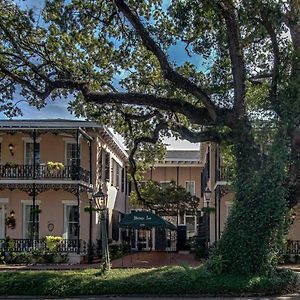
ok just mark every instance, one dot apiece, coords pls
pixel 166 280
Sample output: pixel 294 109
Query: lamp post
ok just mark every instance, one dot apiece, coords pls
pixel 207 196
pixel 100 201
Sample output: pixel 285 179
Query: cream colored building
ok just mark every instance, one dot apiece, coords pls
pixel 47 200
pixel 184 167
pixel 222 197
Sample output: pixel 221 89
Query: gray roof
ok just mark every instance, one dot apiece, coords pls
pixel 182 155
pixel 48 123
pixel 64 124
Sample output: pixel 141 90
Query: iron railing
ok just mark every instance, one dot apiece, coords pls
pixel 293 247
pixel 43 172
pixel 24 245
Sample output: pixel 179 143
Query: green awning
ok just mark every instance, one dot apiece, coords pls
pixel 145 220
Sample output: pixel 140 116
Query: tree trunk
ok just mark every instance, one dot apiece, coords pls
pixel 256 224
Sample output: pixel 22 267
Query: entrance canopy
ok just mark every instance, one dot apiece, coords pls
pixel 145 220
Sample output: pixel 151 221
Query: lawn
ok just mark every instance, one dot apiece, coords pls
pixel 166 280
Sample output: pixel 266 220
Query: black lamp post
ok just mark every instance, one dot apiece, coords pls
pixel 207 197
pixel 100 201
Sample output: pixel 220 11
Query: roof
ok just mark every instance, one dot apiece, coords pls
pixel 182 155
pixel 61 124
pixel 48 123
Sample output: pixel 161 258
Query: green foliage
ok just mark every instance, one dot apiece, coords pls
pixel 167 198
pixel 160 281
pixel 257 224
pixel 53 243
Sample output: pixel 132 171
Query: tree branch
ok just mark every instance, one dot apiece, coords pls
pixel 276 61
pixel 168 72
pixel 236 56
pixel 195 114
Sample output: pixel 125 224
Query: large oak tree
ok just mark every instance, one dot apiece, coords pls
pixel 112 57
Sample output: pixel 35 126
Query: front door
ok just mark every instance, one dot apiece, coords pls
pixel 2 221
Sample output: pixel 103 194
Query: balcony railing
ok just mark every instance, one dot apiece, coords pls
pixel 293 247
pixel 24 245
pixel 43 172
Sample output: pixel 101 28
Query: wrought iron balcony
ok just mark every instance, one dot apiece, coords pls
pixel 24 245
pixel 43 172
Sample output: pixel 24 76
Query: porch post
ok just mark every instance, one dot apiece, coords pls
pixel 33 190
pixel 33 234
pixel 34 154
pixel 91 163
pixel 77 155
pixel 219 210
pixel 78 219
pixel 90 249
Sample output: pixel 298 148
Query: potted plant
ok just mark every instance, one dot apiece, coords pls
pixel 54 167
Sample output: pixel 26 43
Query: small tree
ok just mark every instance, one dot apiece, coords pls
pixel 169 199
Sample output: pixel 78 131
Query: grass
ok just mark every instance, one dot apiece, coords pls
pixel 167 280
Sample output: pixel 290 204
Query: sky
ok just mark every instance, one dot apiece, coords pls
pixel 58 108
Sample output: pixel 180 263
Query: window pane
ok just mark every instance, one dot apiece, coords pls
pixel 190 226
pixel 28 221
pixel 71 221
pixel 71 155
pixel 29 153
pixel 190 187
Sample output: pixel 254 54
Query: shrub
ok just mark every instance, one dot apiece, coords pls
pixel 53 243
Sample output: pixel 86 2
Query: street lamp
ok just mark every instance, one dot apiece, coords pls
pixel 100 201
pixel 207 197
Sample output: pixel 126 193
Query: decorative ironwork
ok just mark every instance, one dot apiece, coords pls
pixel 293 247
pixel 42 172
pixel 39 188
pixel 24 245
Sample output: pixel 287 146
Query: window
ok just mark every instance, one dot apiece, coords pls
pixel 190 222
pixel 71 221
pixel 123 180
pixel 28 215
pixel 0 152
pixel 107 166
pixel 190 187
pixel 164 184
pixel 30 152
pixel 112 172
pixel 71 154
pixel 117 175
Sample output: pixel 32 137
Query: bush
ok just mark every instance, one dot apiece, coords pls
pixel 53 243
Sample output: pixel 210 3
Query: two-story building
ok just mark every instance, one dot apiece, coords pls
pixel 184 167
pixel 222 197
pixel 47 168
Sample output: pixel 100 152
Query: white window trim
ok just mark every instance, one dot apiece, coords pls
pixel 70 141
pixel 30 202
pixel 24 203
pixel 194 192
pixel 228 205
pixel 28 140
pixel 3 200
pixel 195 219
pixel 67 203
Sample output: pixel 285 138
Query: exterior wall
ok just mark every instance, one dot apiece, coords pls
pixel 51 203
pixel 181 173
pixel 52 148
